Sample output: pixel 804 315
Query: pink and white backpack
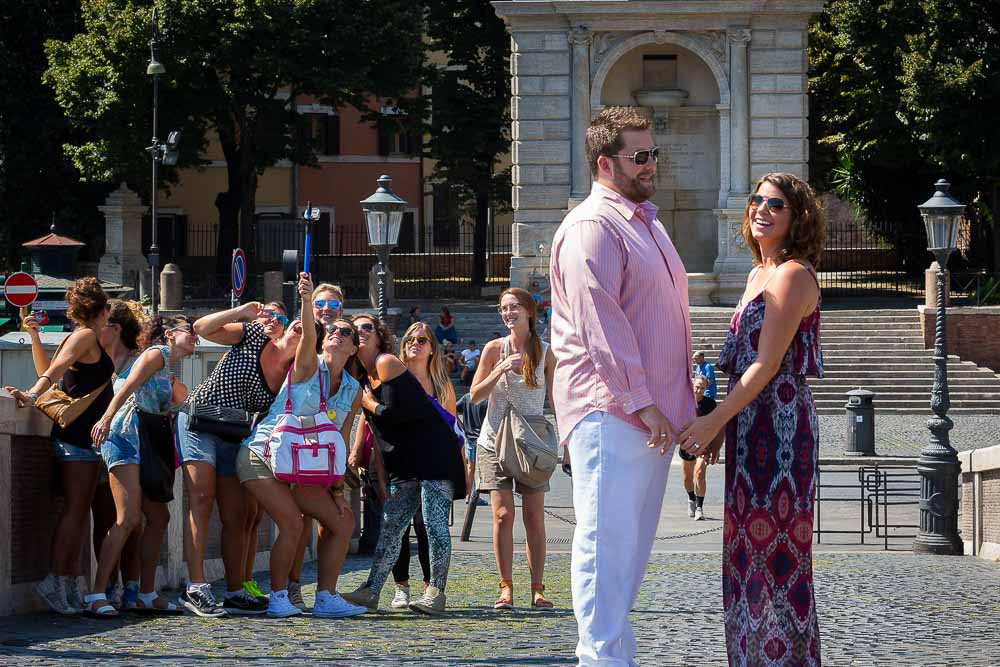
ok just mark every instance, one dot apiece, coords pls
pixel 306 450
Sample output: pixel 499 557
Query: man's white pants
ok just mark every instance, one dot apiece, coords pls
pixel 618 485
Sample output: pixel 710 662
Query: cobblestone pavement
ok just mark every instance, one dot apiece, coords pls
pixel 874 609
pixel 905 435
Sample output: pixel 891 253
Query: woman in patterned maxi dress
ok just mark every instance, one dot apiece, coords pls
pixel 772 438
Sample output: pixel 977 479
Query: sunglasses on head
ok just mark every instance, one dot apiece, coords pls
pixel 345 332
pixel 420 340
pixel 367 327
pixel 774 203
pixel 642 157
pixel 332 304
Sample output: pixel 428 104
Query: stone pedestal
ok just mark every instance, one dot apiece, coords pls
pixel 171 289
pixel 123 262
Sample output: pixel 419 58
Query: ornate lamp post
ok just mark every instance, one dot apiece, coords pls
pixel 938 464
pixel 165 153
pixel 383 215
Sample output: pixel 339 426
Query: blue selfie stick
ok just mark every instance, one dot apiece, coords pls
pixel 308 216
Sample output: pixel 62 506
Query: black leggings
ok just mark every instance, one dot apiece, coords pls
pixel 401 570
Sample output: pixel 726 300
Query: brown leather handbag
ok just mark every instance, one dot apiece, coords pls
pixel 62 408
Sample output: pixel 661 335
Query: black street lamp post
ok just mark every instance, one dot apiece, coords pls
pixel 383 215
pixel 938 463
pixel 165 153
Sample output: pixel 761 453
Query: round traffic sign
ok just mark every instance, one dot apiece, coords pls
pixel 20 290
pixel 239 272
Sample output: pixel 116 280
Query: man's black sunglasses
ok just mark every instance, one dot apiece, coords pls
pixel 345 332
pixel 642 157
pixel 366 327
pixel 773 203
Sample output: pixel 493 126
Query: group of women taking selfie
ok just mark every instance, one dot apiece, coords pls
pixel 128 421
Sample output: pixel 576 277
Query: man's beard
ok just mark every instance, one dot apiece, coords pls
pixel 634 189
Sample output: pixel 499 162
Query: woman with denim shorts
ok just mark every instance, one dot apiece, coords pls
pixel 148 390
pixel 246 378
pixel 314 382
pixel 83 367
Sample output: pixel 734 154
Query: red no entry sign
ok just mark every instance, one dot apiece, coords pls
pixel 20 289
pixel 239 272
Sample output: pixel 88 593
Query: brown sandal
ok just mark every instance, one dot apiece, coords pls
pixel 538 600
pixel 506 599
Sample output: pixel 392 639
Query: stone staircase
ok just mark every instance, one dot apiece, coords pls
pixel 878 350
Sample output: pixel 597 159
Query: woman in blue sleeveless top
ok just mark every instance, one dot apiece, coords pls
pixel 312 379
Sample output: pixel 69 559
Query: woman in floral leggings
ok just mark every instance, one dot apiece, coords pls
pixel 422 458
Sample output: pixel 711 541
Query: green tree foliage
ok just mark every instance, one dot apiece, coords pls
pixel 234 67
pixel 470 107
pixel 37 182
pixel 902 93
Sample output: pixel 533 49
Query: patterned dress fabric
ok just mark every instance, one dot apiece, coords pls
pixel 153 396
pixel 772 447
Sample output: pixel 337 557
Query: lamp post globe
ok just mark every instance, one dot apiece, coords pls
pixel 383 216
pixel 938 463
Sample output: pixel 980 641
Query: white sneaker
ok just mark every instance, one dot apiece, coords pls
pixel 53 591
pixel 699 514
pixel 278 605
pixel 432 602
pixel 402 598
pixel 692 506
pixel 334 606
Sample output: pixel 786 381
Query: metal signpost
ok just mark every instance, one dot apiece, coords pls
pixel 239 275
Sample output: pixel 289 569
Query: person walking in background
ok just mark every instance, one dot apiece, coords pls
pixel 772 431
pixel 621 336
pixel 421 353
pixel 83 366
pixel 312 384
pixel 246 378
pixel 144 397
pixel 704 369
pixel 445 329
pixel 421 456
pixel 515 373
pixel 695 468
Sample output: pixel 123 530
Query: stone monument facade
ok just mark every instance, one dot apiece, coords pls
pixel 123 262
pixel 724 85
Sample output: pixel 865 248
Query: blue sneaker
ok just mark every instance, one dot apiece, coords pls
pixel 278 605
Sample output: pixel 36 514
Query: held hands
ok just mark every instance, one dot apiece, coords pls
pixel 699 438
pixel 251 310
pixel 24 399
pixel 661 433
pixel 31 325
pixel 340 501
pixel 512 363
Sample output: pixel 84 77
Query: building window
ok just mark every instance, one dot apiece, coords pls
pixel 324 130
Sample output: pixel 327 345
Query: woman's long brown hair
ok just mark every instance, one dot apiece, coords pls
pixel 533 354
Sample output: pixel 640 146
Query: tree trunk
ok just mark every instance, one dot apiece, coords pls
pixel 248 217
pixel 479 239
pixel 228 202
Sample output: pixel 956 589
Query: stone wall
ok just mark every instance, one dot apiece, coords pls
pixel 971 334
pixel 980 520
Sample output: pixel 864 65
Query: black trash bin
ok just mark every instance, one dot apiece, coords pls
pixel 860 423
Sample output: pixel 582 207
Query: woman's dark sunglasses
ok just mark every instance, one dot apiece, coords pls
pixel 367 327
pixel 332 304
pixel 345 332
pixel 642 157
pixel 773 203
pixel 419 340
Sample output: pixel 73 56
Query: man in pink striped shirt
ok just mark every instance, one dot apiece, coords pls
pixel 621 335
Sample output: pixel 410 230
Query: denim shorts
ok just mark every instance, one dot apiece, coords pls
pixel 470 450
pixel 197 447
pixel 117 450
pixel 67 453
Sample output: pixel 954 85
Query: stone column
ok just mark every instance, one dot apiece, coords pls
pixel 579 39
pixel 123 262
pixel 541 150
pixel 740 115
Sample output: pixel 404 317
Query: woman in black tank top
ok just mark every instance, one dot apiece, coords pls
pixel 83 366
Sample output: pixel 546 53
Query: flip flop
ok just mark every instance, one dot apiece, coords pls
pixel 104 612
